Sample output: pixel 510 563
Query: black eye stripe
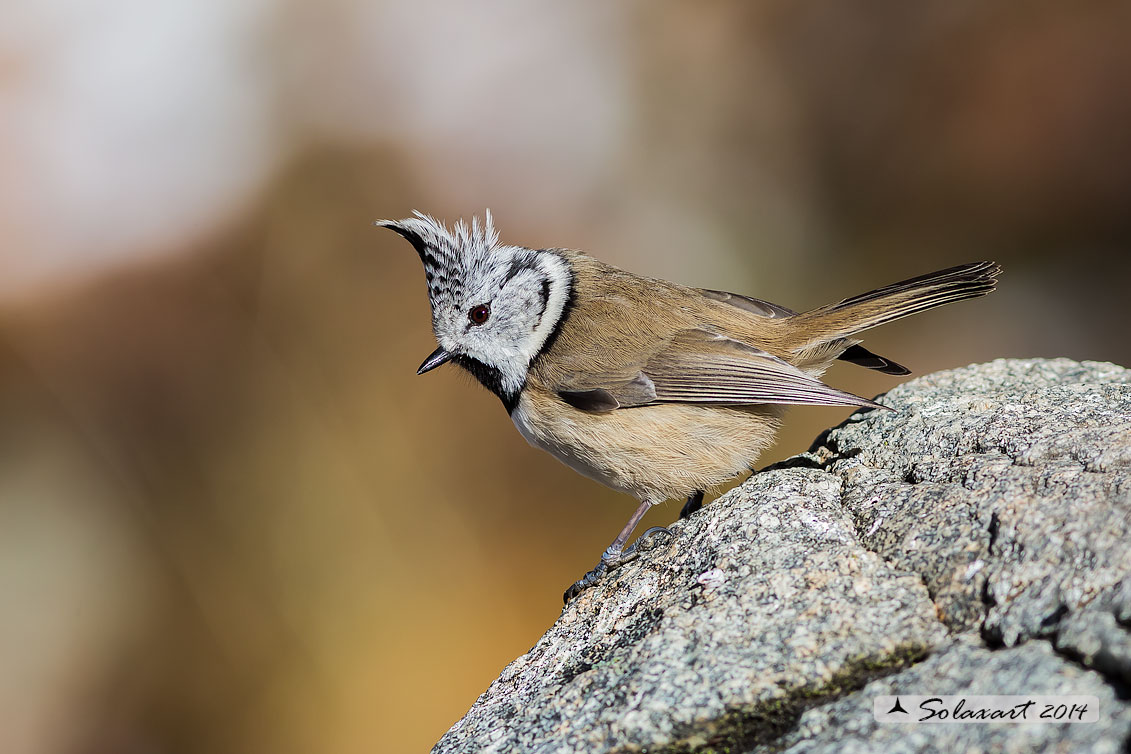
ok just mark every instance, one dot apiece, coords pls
pixel 545 294
pixel 517 266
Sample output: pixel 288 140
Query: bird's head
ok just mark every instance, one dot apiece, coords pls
pixel 494 307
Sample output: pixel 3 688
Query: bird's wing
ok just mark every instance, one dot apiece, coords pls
pixel 747 303
pixel 699 366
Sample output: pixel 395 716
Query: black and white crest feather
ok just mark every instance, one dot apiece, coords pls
pixel 448 256
pixel 526 291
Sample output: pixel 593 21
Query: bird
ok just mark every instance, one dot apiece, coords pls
pixel 655 389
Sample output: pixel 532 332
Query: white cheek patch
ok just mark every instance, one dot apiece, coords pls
pixel 528 293
pixel 558 276
pixel 555 272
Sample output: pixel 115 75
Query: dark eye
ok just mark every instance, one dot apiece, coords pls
pixel 479 314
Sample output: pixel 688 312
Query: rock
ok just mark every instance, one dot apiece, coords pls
pixel 847 725
pixel 1010 480
pixel 977 539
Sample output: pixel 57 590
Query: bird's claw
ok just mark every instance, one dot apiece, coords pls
pixel 586 581
pixel 612 559
pixel 632 552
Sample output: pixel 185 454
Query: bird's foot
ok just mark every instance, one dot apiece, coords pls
pixel 632 552
pixel 694 503
pixel 586 581
pixel 612 559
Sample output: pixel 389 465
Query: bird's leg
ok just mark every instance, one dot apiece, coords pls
pixel 615 554
pixel 694 503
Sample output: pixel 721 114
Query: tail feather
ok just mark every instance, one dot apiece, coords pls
pixel 963 275
pixel 858 313
pixel 861 356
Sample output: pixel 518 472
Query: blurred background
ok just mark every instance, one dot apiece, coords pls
pixel 232 519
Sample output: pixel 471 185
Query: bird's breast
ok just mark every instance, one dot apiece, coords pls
pixel 553 434
pixel 659 452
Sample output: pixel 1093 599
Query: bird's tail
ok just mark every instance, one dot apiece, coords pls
pixel 827 327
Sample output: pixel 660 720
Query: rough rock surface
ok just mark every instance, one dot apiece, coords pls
pixel 975 540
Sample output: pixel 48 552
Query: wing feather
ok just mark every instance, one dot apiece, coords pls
pixel 698 366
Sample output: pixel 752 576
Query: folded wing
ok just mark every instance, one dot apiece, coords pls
pixel 699 366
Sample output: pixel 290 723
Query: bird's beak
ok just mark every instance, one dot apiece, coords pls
pixel 435 359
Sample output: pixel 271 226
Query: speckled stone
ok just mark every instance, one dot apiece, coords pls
pixel 1006 485
pixel 847 726
pixel 979 537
